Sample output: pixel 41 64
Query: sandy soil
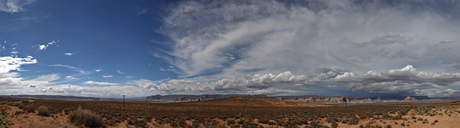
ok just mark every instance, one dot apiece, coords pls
pixel 32 120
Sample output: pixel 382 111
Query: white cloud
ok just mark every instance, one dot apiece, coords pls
pixel 13 6
pixel 97 70
pixel 68 54
pixel 8 63
pixel 108 76
pixel 395 80
pixel 120 72
pixel 100 83
pixel 69 77
pixel 44 46
pixel 233 38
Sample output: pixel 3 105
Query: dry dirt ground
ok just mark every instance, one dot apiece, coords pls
pixel 32 120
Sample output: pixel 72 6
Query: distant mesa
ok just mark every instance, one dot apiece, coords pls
pixel 345 99
pixel 409 99
pixel 318 99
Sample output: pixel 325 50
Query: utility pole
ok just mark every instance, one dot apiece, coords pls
pixel 124 102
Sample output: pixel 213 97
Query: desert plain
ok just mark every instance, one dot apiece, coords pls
pixel 235 112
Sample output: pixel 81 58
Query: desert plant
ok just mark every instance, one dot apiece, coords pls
pixel 231 122
pixel 425 121
pixel 86 117
pixel 31 110
pixel 42 111
pixel 388 126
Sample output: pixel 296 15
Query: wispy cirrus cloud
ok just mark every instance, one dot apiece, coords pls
pixel 107 76
pixel 100 83
pixel 13 6
pixel 235 37
pixel 72 68
pixel 120 72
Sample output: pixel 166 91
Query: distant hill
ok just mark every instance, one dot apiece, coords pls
pixel 186 98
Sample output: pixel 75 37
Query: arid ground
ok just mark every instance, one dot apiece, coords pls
pixel 229 113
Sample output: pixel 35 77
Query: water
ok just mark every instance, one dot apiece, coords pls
pixel 378 103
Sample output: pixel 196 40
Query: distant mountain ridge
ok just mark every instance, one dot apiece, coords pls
pixel 53 97
pixel 187 98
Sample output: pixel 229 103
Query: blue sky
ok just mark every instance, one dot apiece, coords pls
pixel 141 48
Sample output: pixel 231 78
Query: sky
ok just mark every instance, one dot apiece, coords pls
pixel 138 48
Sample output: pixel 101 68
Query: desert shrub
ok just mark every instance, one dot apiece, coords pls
pixel 18 112
pixel 231 122
pixel 66 111
pixel 42 111
pixel 425 121
pixel 21 106
pixel 31 110
pixel 235 126
pixel 263 121
pixel 87 118
pixel 148 118
pixel 25 108
pixel 140 123
pixel 174 124
pixel 240 121
pixel 388 126
pixel 435 121
pixel 334 124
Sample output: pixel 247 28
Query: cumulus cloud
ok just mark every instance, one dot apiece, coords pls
pixel 108 76
pixel 97 70
pixel 13 6
pixel 68 54
pixel 395 80
pixel 44 46
pixel 100 83
pixel 248 82
pixel 8 63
